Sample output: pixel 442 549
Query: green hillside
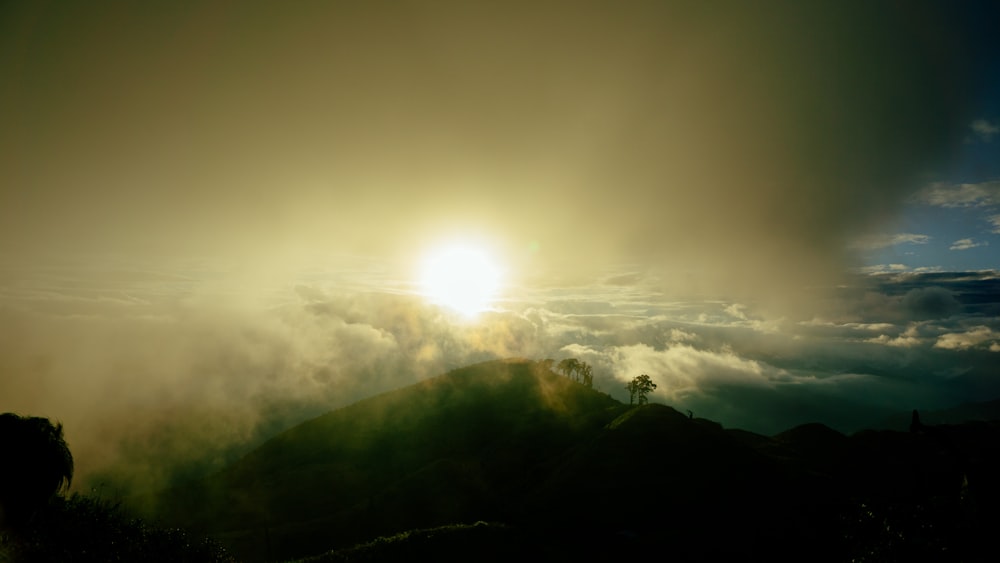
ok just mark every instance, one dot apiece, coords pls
pixel 461 447
pixel 561 471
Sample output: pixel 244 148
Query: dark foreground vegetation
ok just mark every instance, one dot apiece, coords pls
pixel 508 460
pixel 83 529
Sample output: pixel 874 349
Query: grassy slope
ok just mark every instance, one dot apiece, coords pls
pixel 457 448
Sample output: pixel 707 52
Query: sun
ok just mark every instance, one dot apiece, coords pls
pixel 463 278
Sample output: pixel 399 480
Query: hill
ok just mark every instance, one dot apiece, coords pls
pixel 456 448
pixel 966 412
pixel 566 472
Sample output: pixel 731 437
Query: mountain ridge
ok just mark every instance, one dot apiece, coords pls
pixel 570 468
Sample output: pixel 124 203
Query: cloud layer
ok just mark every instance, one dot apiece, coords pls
pixel 156 370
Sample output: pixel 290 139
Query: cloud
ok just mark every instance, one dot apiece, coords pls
pixel 995 221
pixel 899 341
pixel 154 396
pixel 737 310
pixel 961 195
pixel 984 129
pixel 966 244
pixel 190 371
pixel 903 298
pixel 971 338
pixel 883 269
pixel 678 335
pixel 908 339
pixel 628 279
pixel 680 370
pixel 877 241
pixel 930 302
pixel 870 326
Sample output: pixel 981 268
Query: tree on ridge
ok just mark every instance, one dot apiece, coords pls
pixel 638 388
pixel 568 366
pixel 586 374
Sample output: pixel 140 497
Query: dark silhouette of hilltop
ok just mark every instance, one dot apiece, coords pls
pixel 563 472
pixel 966 412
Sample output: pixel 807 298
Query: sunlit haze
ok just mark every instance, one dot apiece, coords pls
pixel 461 277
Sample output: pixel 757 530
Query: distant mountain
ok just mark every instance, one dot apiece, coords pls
pixel 967 412
pixel 567 473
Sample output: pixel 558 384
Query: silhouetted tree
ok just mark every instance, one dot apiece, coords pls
pixel 638 388
pixel 568 366
pixel 35 466
pixel 586 374
pixel 547 363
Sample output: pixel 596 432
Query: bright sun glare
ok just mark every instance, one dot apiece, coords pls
pixel 462 278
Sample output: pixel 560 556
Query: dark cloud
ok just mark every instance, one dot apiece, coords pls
pixel 930 303
pixel 978 293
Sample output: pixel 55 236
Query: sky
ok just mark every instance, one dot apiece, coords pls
pixel 214 215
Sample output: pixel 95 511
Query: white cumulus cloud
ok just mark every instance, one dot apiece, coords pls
pixel 680 370
pixel 966 244
pixel 971 338
pixel 908 339
pixel 678 335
